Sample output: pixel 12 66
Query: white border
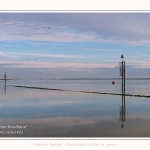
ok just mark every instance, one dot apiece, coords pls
pixel 100 6
pixel 74 5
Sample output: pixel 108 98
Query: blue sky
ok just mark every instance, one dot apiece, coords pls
pixel 76 45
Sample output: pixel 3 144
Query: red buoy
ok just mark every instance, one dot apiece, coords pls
pixel 113 82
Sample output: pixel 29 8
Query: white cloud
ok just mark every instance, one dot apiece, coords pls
pixel 94 49
pixel 100 49
pixel 16 54
pixel 8 55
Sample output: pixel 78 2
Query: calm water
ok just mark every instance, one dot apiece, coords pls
pixel 50 113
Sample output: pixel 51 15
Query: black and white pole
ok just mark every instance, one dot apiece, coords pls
pixel 5 78
pixel 122 73
pixel 122 109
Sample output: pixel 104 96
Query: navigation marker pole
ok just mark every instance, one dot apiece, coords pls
pixel 122 109
pixel 5 78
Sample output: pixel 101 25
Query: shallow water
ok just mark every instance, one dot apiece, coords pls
pixel 47 113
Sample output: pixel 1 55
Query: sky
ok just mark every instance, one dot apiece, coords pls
pixel 74 44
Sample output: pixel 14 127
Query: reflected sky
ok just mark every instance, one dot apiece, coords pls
pixel 72 114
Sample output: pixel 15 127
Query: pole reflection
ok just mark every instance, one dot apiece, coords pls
pixel 5 89
pixel 122 112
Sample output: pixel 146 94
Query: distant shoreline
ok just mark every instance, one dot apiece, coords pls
pixel 105 79
pixel 82 79
pixel 7 79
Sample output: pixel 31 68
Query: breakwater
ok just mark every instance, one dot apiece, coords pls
pixel 132 95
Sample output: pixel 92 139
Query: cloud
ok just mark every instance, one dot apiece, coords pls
pixel 100 49
pixel 127 28
pixel 146 65
pixel 16 54
pixel 68 66
pixel 8 55
pixel 94 49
